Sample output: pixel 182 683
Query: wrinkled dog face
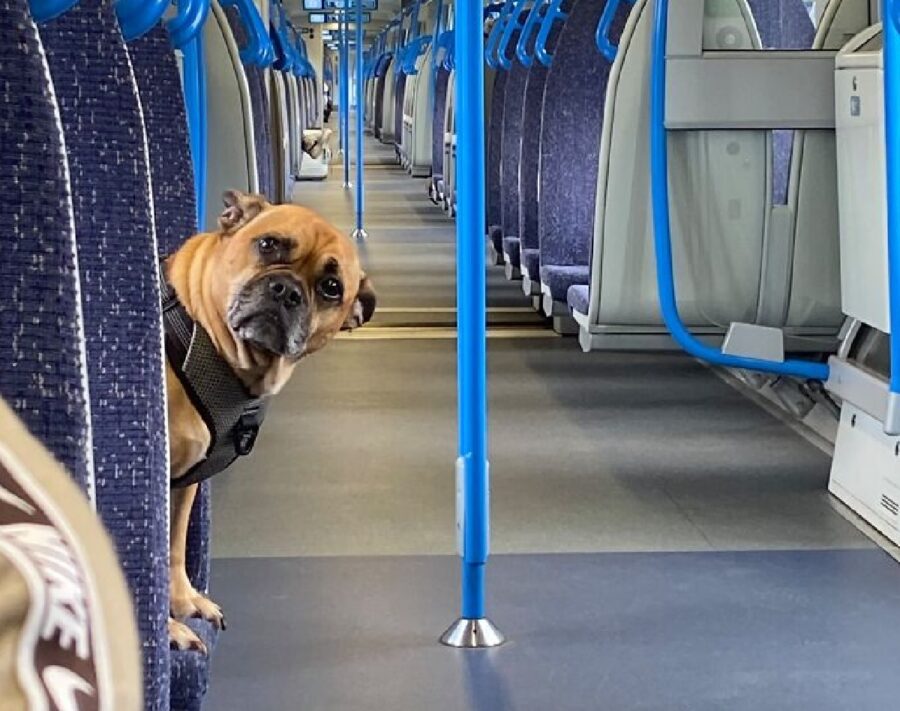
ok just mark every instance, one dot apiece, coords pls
pixel 291 280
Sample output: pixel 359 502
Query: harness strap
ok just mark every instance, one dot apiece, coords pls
pixel 231 414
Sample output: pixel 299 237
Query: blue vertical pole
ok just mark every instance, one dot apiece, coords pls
pixel 345 95
pixel 473 510
pixel 890 10
pixel 359 232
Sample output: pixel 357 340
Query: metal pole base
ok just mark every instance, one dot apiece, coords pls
pixel 347 186
pixel 473 634
pixel 360 234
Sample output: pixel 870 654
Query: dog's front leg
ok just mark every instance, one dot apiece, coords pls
pixel 184 600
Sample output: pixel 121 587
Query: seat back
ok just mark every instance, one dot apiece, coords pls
pixel 175 215
pixel 117 254
pixel 441 84
pixel 719 183
pixel 420 125
pixel 530 153
pixel 571 125
pixel 494 153
pixel 229 116
pixel 511 137
pixel 259 112
pixel 42 339
pixel 382 100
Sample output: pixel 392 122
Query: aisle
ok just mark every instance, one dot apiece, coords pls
pixel 675 547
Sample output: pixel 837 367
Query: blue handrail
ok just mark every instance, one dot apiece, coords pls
pixel 659 172
pixel 283 56
pixel 534 18
pixel 552 15
pixel 43 10
pixel 604 43
pixel 188 22
pixel 137 17
pixel 259 49
pixel 413 51
pixel 891 29
pixel 511 26
pixel 490 48
pixel 443 50
pixel 184 32
pixel 303 58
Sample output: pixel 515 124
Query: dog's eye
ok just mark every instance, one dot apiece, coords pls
pixel 331 289
pixel 267 245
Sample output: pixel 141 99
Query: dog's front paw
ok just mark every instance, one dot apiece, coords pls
pixel 196 605
pixel 183 638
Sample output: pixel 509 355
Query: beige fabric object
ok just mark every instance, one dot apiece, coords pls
pixel 68 641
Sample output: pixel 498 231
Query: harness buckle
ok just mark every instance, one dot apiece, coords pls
pixel 246 431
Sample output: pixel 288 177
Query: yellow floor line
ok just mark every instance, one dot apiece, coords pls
pixel 451 310
pixel 419 333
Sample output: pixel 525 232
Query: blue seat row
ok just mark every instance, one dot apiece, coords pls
pixel 101 172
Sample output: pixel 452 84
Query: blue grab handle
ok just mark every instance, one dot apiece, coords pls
pixel 662 238
pixel 540 45
pixel 283 56
pixel 534 17
pixel 137 17
pixel 508 30
pixel 259 49
pixel 442 49
pixel 43 10
pixel 188 22
pixel 604 43
pixel 413 51
pixel 891 29
pixel 490 47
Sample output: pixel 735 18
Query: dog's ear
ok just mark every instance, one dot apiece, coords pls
pixel 363 307
pixel 240 208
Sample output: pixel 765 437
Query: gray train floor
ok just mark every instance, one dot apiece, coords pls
pixel 662 543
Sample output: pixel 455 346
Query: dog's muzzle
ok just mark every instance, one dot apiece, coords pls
pixel 272 313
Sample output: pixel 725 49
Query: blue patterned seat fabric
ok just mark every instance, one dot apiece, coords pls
pixel 570 146
pixel 494 150
pixel 530 154
pixel 510 143
pixel 782 24
pixel 259 107
pixel 117 256
pixel 578 297
pixel 41 327
pixel 441 80
pixel 175 210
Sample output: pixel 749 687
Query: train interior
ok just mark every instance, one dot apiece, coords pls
pixel 665 232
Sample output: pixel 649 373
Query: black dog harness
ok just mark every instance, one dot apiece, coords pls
pixel 231 414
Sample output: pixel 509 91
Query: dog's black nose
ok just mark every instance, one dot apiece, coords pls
pixel 286 291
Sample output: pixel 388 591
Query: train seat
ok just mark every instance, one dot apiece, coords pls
pixel 510 141
pixel 745 257
pixel 175 213
pixel 529 161
pixel 259 111
pixel 570 151
pixel 115 237
pixel 39 277
pixel 227 88
pixel 441 81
